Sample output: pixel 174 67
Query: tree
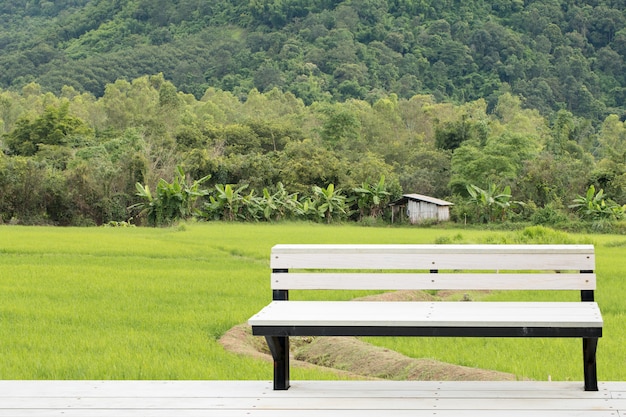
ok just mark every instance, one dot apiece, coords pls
pixel 491 204
pixel 341 126
pixel 329 201
pixel 593 206
pixel 610 171
pixel 227 204
pixel 305 164
pixel 21 189
pixel 452 135
pixel 547 179
pixel 371 199
pixel 54 127
pixel 172 201
pixel 280 204
pixel 10 111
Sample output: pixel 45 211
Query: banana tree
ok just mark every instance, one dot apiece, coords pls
pixel 371 199
pixel 252 207
pixel 278 205
pixel 268 204
pixel 593 206
pixel 171 201
pixel 329 201
pixel 491 203
pixel 306 207
pixel 227 203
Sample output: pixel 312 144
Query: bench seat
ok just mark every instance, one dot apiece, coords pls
pixel 360 318
pixel 294 315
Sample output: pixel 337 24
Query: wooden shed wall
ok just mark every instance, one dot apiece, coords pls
pixel 443 213
pixel 418 211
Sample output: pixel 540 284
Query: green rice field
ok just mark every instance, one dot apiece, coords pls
pixel 140 303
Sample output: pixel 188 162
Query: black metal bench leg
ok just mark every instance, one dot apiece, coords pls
pixel 589 356
pixel 279 346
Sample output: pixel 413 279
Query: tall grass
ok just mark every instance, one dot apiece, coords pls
pixel 134 303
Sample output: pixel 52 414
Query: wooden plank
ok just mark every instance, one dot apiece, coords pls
pixel 425 281
pixel 313 403
pixel 307 413
pixel 146 389
pixel 477 257
pixel 558 388
pixel 433 248
pixel 158 389
pixel 308 398
pixel 426 314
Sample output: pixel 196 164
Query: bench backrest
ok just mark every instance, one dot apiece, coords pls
pixel 433 267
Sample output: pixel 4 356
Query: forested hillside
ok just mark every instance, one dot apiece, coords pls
pixel 554 54
pixel 260 110
pixel 147 152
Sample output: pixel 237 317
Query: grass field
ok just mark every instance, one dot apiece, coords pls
pixel 138 303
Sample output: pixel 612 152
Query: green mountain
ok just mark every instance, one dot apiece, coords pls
pixel 554 54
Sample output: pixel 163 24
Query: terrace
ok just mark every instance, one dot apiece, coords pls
pixel 309 398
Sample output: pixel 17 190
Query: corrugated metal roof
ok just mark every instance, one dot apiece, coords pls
pixel 420 197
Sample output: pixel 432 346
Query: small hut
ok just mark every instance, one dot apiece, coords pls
pixel 421 207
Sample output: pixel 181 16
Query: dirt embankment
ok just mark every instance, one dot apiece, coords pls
pixel 360 360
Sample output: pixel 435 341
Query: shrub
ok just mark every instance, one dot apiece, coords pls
pixel 532 234
pixel 550 215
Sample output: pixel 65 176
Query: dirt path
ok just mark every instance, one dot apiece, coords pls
pixel 357 359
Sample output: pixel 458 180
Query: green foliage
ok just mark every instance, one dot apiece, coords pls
pixel 550 215
pixel 279 205
pixel 498 159
pixel 534 235
pixel 340 126
pixel 227 204
pixel 329 202
pixel 558 55
pixel 89 153
pixel 371 199
pixel 20 188
pixel 307 163
pixel 172 201
pixel 452 134
pixel 55 127
pixel 491 204
pixel 593 206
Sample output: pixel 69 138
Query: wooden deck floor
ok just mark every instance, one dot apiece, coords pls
pixel 308 398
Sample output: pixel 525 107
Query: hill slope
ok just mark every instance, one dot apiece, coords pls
pixel 555 54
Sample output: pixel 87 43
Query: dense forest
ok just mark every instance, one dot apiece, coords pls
pixel 147 152
pixel 553 54
pixel 149 111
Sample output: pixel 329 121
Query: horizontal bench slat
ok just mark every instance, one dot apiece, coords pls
pixel 419 281
pixel 465 257
pixel 428 314
pixel 435 248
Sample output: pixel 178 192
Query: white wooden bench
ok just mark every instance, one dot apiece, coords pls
pixel 430 267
